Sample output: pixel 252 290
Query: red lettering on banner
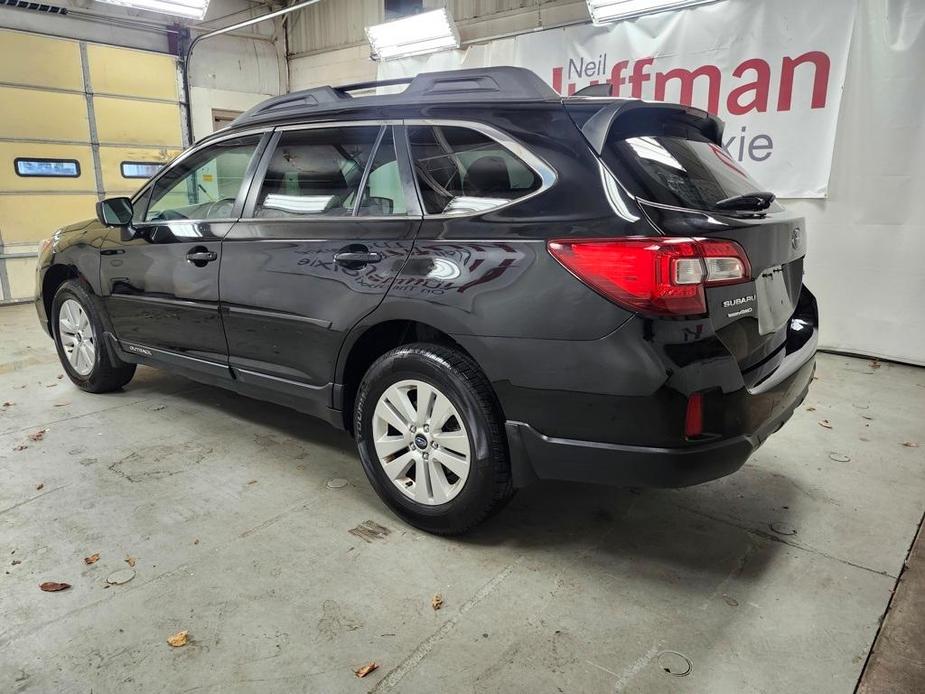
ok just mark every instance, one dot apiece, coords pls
pixel 760 88
pixel 753 95
pixel 820 79
pixel 686 78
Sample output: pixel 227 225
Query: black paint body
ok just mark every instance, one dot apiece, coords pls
pixel 589 390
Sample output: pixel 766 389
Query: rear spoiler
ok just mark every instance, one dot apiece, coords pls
pixel 609 114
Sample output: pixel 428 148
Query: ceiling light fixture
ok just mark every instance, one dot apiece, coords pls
pixel 426 32
pixel 606 11
pixel 192 9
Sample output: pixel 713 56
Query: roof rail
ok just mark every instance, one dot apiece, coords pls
pixel 478 85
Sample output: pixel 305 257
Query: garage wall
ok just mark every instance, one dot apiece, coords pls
pixel 327 41
pixel 77 105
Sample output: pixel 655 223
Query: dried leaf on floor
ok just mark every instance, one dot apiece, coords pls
pixel 92 559
pixel 21 447
pixel 825 423
pixel 869 419
pixel 40 486
pixel 60 376
pixel 7 404
pixel 196 541
pixel 130 561
pixel 365 670
pixel 253 482
pixel 874 363
pixel 910 444
pixel 38 435
pixel 810 409
pixel 54 586
pixel 437 601
pixel 16 562
pixel 181 638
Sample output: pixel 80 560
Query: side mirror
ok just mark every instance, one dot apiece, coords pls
pixel 114 211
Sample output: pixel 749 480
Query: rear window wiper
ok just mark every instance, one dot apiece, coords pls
pixel 757 201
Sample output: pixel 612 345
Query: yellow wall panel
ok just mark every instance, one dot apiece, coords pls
pixel 40 115
pixel 111 159
pixel 40 61
pixel 21 274
pixel 137 122
pixel 9 181
pixel 132 73
pixel 25 218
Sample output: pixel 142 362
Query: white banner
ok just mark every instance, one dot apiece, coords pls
pixel 773 70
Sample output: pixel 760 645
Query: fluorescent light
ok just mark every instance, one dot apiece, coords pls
pixel 193 9
pixel 426 32
pixel 605 11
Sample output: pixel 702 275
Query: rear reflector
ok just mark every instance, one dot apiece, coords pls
pixel 693 418
pixel 659 274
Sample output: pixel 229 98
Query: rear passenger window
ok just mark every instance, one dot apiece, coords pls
pixel 316 172
pixel 383 194
pixel 461 171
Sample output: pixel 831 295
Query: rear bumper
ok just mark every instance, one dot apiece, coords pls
pixel 536 456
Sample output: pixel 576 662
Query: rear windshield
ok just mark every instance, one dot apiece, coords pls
pixel 690 171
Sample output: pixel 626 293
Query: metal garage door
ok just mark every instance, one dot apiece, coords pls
pixel 78 121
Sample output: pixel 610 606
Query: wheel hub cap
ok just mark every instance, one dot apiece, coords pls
pixel 421 442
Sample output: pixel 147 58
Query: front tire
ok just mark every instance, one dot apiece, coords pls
pixel 430 437
pixel 78 330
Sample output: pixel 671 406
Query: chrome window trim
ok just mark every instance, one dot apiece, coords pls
pixel 168 222
pixel 548 175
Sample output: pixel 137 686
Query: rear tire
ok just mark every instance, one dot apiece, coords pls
pixel 77 326
pixel 430 437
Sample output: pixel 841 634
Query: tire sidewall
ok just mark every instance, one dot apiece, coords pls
pixel 427 366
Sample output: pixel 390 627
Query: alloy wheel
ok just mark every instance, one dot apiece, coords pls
pixel 75 332
pixel 421 442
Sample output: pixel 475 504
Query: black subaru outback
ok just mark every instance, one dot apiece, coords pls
pixel 486 283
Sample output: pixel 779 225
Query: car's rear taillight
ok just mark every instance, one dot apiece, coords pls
pixel 658 274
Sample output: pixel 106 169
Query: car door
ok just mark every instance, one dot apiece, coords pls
pixel 327 226
pixel 160 274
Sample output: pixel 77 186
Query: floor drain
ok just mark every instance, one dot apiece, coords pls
pixel 337 483
pixel 839 457
pixel 674 663
pixel 782 528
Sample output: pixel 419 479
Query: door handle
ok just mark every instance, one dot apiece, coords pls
pixel 200 256
pixel 357 257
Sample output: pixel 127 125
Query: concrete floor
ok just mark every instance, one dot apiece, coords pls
pixel 238 539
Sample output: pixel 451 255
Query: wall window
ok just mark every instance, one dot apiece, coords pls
pixel 461 171
pixel 205 185
pixel 316 172
pixel 140 169
pixel 48 168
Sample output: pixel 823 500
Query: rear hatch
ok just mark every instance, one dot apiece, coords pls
pixel 670 159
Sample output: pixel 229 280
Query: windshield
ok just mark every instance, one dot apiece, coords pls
pixel 678 171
